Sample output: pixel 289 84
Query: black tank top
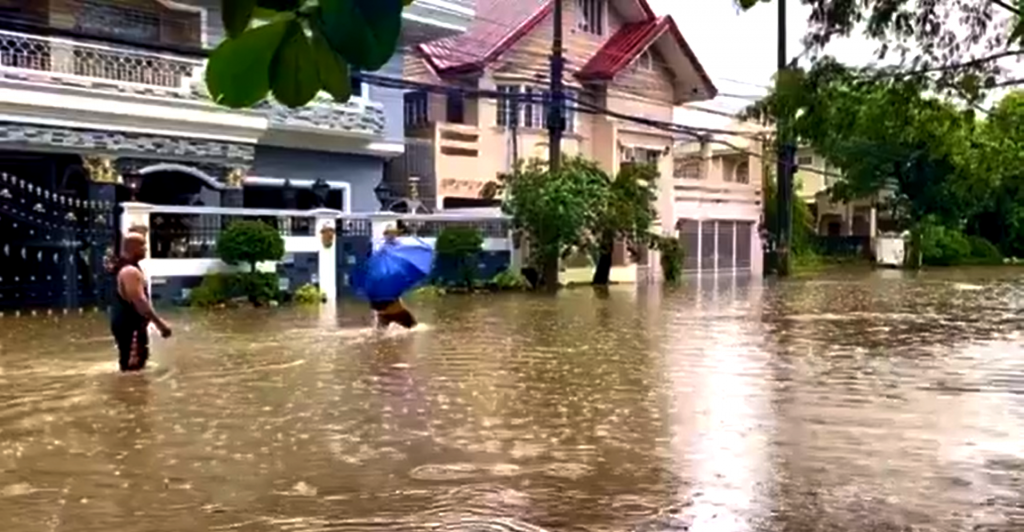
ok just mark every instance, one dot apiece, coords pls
pixel 124 314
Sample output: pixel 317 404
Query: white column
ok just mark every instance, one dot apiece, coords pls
pixel 136 214
pixel 873 222
pixel 327 259
pixel 717 265
pixel 382 221
pixel 700 247
pixel 735 230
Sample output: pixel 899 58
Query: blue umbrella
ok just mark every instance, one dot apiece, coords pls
pixel 393 269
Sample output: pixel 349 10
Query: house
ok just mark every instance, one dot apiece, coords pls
pixel 718 202
pixel 859 218
pixel 79 114
pixel 620 57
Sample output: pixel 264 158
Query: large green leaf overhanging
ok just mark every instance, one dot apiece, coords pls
pixel 268 48
pixel 238 73
pixel 365 32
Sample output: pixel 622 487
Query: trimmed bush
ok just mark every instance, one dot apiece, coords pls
pixel 215 290
pixel 250 242
pixel 458 249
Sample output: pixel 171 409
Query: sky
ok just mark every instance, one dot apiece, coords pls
pixel 738 48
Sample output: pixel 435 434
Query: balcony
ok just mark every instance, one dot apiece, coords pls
pixel 458 159
pixel 78 68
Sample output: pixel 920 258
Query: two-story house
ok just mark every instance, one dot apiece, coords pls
pixel 718 201
pixel 97 92
pixel 620 57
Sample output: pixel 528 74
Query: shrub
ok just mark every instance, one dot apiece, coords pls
pixel 672 255
pixel 983 251
pixel 510 280
pixel 309 294
pixel 457 250
pixel 216 289
pixel 260 287
pixel 250 242
pixel 942 246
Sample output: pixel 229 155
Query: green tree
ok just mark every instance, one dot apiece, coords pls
pixel 555 210
pixel 250 242
pixel 296 48
pixel 960 45
pixel 627 215
pixel 883 135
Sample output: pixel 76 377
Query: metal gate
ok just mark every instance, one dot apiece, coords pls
pixel 52 248
pixel 353 247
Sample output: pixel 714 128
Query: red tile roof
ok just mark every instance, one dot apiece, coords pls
pixel 620 50
pixel 629 42
pixel 499 24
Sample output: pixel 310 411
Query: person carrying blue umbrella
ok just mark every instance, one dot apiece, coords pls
pixel 394 267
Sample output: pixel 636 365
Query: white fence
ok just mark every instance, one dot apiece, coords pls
pixel 182 240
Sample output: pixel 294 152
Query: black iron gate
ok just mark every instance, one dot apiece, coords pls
pixel 354 242
pixel 52 247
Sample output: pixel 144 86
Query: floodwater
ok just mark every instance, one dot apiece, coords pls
pixel 856 402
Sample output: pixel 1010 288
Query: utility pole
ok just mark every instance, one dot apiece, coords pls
pixel 555 116
pixel 784 166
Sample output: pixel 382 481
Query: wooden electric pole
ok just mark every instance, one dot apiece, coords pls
pixel 784 166
pixel 555 116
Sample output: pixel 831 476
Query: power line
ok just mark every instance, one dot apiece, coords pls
pixel 702 134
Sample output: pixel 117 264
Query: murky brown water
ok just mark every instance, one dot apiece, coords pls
pixel 854 403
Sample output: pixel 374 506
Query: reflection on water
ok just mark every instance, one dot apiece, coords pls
pixel 855 402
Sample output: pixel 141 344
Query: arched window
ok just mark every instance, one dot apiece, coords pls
pixel 743 172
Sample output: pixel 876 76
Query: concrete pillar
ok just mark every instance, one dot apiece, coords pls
pixel 873 222
pixel 327 259
pixel 135 213
pixel 700 246
pixel 381 221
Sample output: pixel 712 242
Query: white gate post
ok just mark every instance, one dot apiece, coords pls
pixel 327 259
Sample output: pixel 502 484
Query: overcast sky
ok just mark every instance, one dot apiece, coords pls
pixel 738 49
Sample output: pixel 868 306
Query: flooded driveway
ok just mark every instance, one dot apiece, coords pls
pixel 859 402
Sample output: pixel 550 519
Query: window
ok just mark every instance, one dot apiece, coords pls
pixel 743 172
pixel 532 107
pixel 651 156
pixel 645 61
pixel 507 116
pixel 456 108
pixel 416 108
pixel 687 169
pixel 805 160
pixel 590 16
pixel 533 111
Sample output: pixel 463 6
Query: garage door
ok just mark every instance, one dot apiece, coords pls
pixel 716 245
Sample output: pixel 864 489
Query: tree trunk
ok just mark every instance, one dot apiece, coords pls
pixel 603 270
pixel 549 274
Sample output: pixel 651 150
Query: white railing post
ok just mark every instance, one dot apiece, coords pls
pixel 136 214
pixel 380 222
pixel 327 260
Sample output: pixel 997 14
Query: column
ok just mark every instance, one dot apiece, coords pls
pixel 700 246
pixel 382 221
pixel 327 259
pixel 717 265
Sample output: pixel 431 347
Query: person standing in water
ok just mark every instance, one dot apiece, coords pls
pixel 392 311
pixel 132 311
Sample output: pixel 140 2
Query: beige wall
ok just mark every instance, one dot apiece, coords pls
pixel 636 91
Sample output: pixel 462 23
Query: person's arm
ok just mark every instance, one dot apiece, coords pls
pixel 134 285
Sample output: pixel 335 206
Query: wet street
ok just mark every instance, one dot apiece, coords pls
pixel 848 402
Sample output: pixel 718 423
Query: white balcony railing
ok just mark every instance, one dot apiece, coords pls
pixel 80 63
